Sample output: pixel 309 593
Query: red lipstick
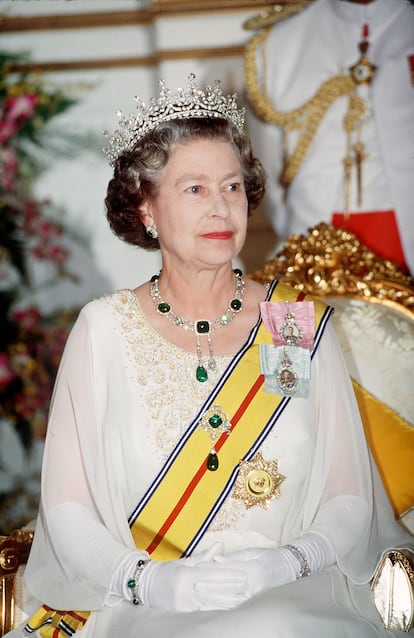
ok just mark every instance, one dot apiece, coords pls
pixel 224 234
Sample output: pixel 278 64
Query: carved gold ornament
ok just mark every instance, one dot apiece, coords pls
pixel 332 262
pixel 258 482
pixel 14 551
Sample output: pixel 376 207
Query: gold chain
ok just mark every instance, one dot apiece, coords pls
pixel 305 118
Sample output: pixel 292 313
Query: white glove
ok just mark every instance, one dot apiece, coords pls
pixel 265 568
pixel 212 580
pixel 194 583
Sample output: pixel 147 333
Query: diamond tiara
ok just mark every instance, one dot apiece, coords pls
pixel 184 103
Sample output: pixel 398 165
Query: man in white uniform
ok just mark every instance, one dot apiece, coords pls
pixel 333 89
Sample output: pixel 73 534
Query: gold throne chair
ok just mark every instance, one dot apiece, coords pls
pixel 14 552
pixel 374 322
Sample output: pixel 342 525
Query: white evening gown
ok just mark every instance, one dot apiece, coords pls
pixel 122 398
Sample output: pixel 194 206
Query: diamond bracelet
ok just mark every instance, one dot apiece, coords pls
pixel 304 569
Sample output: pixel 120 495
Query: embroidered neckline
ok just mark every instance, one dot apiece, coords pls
pixel 150 327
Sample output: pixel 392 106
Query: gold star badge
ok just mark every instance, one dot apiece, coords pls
pixel 258 482
pixel 363 71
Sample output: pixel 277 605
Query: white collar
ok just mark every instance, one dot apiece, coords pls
pixel 373 13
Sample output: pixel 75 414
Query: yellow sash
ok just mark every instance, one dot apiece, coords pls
pixel 52 623
pixel 184 498
pixel 391 440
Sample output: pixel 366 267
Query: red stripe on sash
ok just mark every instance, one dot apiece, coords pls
pixel 203 468
pixel 75 616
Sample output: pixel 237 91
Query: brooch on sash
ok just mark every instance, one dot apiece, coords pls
pixel 286 364
pixel 215 422
pixel 258 482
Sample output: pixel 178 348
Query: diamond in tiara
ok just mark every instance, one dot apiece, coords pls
pixel 184 103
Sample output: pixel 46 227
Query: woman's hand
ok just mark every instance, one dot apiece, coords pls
pixel 195 583
pixel 262 568
pixel 213 580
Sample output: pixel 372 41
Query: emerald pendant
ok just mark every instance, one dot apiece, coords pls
pixel 212 462
pixel 215 421
pixel 201 374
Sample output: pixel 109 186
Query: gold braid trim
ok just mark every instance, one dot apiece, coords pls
pixel 275 14
pixel 307 117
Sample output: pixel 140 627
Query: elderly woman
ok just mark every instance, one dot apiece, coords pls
pixel 205 469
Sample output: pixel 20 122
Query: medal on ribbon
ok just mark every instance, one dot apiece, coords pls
pixel 290 332
pixel 286 364
pixel 287 379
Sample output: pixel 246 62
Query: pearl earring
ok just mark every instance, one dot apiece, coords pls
pixel 152 232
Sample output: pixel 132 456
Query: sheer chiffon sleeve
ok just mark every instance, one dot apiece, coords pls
pixel 79 543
